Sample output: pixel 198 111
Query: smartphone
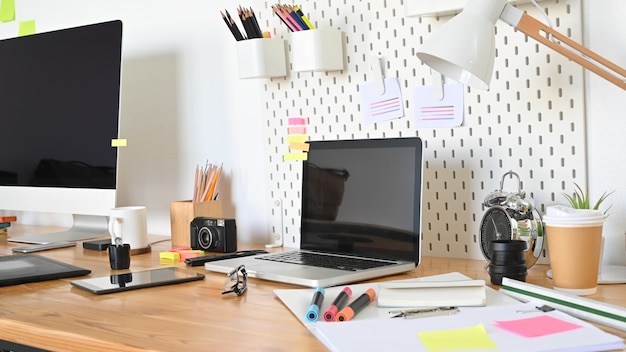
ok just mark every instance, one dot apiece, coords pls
pixel 42 247
pixel 136 280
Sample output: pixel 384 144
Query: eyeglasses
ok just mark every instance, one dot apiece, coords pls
pixel 237 281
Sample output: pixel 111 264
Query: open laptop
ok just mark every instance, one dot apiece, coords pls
pixel 361 201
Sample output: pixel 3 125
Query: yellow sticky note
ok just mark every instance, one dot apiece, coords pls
pixel 169 257
pixel 298 138
pixel 118 142
pixel 299 146
pixel 472 338
pixel 7 10
pixel 295 156
pixel 27 28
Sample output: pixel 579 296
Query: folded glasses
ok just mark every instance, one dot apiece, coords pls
pixel 237 281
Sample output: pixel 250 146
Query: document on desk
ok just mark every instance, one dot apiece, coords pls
pixel 518 327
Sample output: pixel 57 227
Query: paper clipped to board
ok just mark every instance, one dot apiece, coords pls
pixel 469 293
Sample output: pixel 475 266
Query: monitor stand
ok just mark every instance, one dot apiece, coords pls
pixel 85 227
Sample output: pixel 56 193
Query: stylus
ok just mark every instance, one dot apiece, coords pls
pixel 197 261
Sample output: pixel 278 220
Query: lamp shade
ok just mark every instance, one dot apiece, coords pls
pixel 463 49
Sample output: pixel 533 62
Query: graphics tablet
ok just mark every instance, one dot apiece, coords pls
pixel 23 268
pixel 135 280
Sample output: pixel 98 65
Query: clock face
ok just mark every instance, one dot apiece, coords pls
pixel 495 225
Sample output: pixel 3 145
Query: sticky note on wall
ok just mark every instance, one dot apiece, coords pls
pixel 296 139
pixel 118 142
pixel 27 28
pixel 7 10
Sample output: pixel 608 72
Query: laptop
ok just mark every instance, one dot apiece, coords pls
pixel 360 216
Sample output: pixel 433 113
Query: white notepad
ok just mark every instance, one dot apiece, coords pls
pixel 470 293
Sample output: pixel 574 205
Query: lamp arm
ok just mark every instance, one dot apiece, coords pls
pixel 578 53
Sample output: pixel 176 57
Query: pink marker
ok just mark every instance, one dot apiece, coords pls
pixel 338 304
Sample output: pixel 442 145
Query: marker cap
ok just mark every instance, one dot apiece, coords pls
pixel 312 313
pixel 330 313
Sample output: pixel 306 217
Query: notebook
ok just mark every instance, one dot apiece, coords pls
pixel 361 202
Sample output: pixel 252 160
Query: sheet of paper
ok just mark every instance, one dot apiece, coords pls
pixel 429 112
pixel 381 107
pixel 424 334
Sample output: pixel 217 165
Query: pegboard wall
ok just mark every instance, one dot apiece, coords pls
pixel 531 121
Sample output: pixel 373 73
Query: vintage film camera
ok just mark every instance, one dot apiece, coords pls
pixel 214 235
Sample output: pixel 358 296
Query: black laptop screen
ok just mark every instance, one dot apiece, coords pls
pixel 363 197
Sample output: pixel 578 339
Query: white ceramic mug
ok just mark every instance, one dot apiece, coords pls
pixel 130 224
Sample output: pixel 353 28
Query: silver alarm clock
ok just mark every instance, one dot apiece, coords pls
pixel 510 216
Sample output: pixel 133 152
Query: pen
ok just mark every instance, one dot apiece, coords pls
pixel 197 261
pixel 422 313
pixel 338 304
pixel 316 303
pixel 355 307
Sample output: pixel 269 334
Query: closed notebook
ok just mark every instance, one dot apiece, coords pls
pixel 432 294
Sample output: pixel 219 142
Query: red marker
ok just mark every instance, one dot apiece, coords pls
pixel 338 304
pixel 355 307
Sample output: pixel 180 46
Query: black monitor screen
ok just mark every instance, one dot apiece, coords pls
pixel 363 197
pixel 59 107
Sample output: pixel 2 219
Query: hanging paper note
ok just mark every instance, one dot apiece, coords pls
pixel 381 107
pixel 431 112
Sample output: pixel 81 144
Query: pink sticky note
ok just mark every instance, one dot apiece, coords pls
pixel 297 121
pixel 538 326
pixel 296 130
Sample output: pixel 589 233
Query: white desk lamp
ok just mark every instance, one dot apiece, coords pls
pixel 463 49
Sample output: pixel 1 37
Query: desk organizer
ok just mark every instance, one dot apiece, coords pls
pixel 317 50
pixel 262 58
pixel 183 212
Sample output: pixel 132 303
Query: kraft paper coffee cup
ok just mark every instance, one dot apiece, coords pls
pixel 574 245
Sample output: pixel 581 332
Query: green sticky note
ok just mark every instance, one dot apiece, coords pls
pixel 472 338
pixel 7 10
pixel 27 28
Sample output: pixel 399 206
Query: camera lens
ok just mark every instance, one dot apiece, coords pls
pixel 507 261
pixel 208 237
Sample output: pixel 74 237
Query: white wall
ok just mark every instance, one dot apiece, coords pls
pixel 606 124
pixel 183 104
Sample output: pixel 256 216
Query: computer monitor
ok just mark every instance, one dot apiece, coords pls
pixel 59 114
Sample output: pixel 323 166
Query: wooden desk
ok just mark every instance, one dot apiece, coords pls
pixel 184 317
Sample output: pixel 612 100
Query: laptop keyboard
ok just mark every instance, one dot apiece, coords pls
pixel 325 261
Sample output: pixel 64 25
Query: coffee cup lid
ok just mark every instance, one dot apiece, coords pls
pixel 564 216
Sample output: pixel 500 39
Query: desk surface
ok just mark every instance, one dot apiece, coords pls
pixel 54 315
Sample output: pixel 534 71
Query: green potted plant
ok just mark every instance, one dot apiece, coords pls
pixel 580 199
